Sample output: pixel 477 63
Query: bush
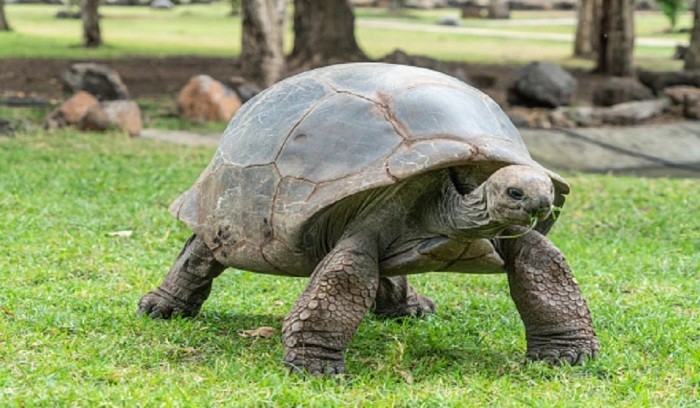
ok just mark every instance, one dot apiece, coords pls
pixel 672 9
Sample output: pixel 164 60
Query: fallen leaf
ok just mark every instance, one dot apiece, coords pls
pixel 7 312
pixel 120 234
pixel 264 331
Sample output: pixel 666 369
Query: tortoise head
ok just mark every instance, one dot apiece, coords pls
pixel 519 195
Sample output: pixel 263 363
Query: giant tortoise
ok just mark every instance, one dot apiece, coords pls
pixel 357 175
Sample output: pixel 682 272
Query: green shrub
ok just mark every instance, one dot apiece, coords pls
pixel 672 9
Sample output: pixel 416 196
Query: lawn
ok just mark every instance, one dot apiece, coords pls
pixel 208 30
pixel 69 334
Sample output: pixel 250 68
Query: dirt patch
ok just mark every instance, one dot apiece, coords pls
pixel 158 77
pixel 145 77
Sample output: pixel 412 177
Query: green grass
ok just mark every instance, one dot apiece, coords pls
pixel 208 30
pixel 69 334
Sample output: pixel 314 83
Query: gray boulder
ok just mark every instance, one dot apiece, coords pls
pixel 542 84
pixel 620 90
pixel 99 80
pixel 630 113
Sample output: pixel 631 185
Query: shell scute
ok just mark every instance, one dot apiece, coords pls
pixel 256 135
pixel 343 134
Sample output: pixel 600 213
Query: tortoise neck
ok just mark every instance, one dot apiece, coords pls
pixel 467 215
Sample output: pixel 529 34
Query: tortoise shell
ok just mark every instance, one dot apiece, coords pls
pixel 312 140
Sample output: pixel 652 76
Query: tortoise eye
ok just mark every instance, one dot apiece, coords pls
pixel 515 193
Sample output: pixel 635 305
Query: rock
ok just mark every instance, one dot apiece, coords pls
pixel 691 108
pixel 657 81
pixel 71 112
pixel 559 118
pixel 162 4
pixel 449 21
pixel 246 90
pixel 620 90
pixel 688 97
pixel 569 116
pixel 205 99
pixel 542 84
pixel 630 113
pixel 678 94
pixel 77 106
pixel 100 80
pixel 124 115
pixel 401 57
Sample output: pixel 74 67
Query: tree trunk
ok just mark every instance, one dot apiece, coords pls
pixel 324 33
pixel 499 9
pixel 587 28
pixel 3 21
pixel 692 56
pixel 91 24
pixel 262 54
pixel 616 38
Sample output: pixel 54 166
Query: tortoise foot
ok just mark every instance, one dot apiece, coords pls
pixel 314 361
pixel 564 349
pixel 415 306
pixel 397 299
pixel 159 304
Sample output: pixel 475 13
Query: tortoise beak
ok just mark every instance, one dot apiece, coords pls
pixel 539 207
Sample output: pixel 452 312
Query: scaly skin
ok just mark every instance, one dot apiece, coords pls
pixel 340 292
pixel 557 321
pixel 186 286
pixel 396 299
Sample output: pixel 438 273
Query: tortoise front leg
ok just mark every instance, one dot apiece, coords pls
pixel 557 321
pixel 340 292
pixel 186 286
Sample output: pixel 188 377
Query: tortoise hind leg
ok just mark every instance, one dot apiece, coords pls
pixel 557 321
pixel 186 286
pixel 396 298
